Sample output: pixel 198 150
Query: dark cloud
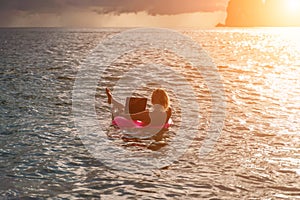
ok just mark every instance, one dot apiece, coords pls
pixel 153 7
pixel 32 6
pixel 61 12
pixel 163 7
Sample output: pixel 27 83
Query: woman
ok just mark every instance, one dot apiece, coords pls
pixel 158 116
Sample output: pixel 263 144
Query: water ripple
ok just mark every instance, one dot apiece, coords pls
pixel 257 156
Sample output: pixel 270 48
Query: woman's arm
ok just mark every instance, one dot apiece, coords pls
pixel 142 116
pixel 169 114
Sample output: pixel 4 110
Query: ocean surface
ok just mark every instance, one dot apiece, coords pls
pixel 256 156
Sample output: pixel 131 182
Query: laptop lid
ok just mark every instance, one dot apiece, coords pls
pixel 135 105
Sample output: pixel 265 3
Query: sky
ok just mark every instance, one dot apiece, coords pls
pixel 112 13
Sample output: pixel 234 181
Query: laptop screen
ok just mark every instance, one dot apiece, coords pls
pixel 135 105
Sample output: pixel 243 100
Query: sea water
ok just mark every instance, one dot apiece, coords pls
pixel 257 154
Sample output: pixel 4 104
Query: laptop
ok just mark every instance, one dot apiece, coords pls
pixel 135 105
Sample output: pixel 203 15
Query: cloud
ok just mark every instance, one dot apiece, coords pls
pixel 152 7
pixel 72 12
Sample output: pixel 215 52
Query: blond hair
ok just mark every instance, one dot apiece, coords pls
pixel 160 96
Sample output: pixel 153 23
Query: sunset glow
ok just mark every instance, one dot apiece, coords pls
pixel 293 6
pixel 143 13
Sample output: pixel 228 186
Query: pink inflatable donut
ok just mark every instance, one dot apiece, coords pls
pixel 124 123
